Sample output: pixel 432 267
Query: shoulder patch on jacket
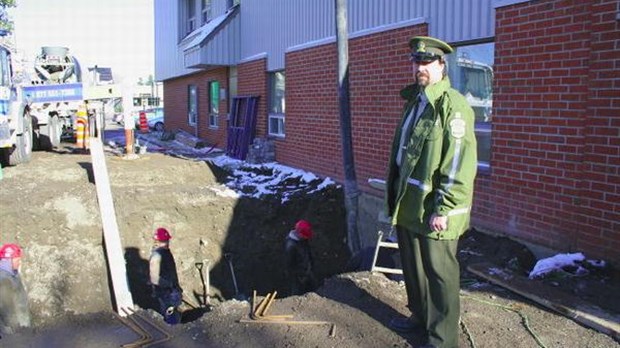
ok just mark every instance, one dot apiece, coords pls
pixel 457 126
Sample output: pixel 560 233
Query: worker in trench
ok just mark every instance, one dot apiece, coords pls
pixel 299 264
pixel 14 310
pixel 164 279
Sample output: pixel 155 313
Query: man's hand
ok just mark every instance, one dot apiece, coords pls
pixel 438 223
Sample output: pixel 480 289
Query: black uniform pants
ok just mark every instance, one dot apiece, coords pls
pixel 432 280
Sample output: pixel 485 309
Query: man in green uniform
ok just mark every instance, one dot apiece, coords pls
pixel 429 192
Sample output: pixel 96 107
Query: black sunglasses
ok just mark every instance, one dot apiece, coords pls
pixel 424 57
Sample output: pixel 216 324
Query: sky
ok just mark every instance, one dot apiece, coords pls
pixel 109 33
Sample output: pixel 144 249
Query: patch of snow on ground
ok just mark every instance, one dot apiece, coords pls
pixel 250 180
pixel 555 263
pixel 246 182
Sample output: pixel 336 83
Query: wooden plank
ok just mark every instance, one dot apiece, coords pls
pixel 378 184
pixel 387 270
pixel 568 305
pixel 189 140
pixel 111 236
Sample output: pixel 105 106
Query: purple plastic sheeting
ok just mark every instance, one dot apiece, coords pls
pixel 241 126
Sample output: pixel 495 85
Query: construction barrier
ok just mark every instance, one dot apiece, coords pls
pixel 144 126
pixel 82 135
pixel 79 133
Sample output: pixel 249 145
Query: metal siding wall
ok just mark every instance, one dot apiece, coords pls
pixel 461 20
pixel 169 59
pixel 166 32
pixel 272 26
pixel 217 6
pixel 222 49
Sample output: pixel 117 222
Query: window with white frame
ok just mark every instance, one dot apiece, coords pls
pixel 206 11
pixel 191 15
pixel 192 104
pixel 277 103
pixel 471 72
pixel 214 104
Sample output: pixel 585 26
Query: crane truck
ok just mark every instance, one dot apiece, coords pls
pixel 35 112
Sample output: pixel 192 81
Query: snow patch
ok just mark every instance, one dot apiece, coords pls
pixel 556 263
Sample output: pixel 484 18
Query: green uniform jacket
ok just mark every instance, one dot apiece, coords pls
pixel 439 164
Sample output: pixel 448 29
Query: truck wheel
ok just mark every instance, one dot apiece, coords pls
pixel 4 156
pixel 49 135
pixel 22 152
pixel 54 131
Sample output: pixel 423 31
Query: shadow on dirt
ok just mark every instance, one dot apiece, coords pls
pixel 138 277
pixel 88 167
pixel 347 292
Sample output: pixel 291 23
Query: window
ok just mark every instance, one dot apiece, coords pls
pixel 206 11
pixel 192 104
pixel 277 104
pixel 153 101
pixel 191 15
pixel 4 68
pixel 214 103
pixel 5 91
pixel 231 3
pixel 471 72
pixel 232 84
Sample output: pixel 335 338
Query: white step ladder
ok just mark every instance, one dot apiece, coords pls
pixel 382 243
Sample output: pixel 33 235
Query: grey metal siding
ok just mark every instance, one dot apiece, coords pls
pixel 168 58
pixel 223 48
pixel 272 26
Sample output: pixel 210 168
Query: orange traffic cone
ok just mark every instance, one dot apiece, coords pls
pixel 144 126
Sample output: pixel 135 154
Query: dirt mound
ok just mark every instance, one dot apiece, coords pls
pixel 53 213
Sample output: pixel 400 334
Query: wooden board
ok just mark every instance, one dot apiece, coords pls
pixel 114 249
pixel 189 140
pixel 568 305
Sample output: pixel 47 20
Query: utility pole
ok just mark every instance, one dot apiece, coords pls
pixel 351 192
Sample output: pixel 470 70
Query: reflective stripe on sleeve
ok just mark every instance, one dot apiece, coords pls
pixel 419 184
pixel 459 211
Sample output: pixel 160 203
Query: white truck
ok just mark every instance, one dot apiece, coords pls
pixel 35 112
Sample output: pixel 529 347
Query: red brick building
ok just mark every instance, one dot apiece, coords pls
pixel 550 145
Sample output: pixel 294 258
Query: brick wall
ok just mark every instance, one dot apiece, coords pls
pixel 555 160
pixel 600 189
pixel 379 67
pixel 555 163
pixel 252 80
pixel 176 106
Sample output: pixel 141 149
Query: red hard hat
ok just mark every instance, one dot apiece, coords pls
pixel 161 234
pixel 304 229
pixel 9 251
